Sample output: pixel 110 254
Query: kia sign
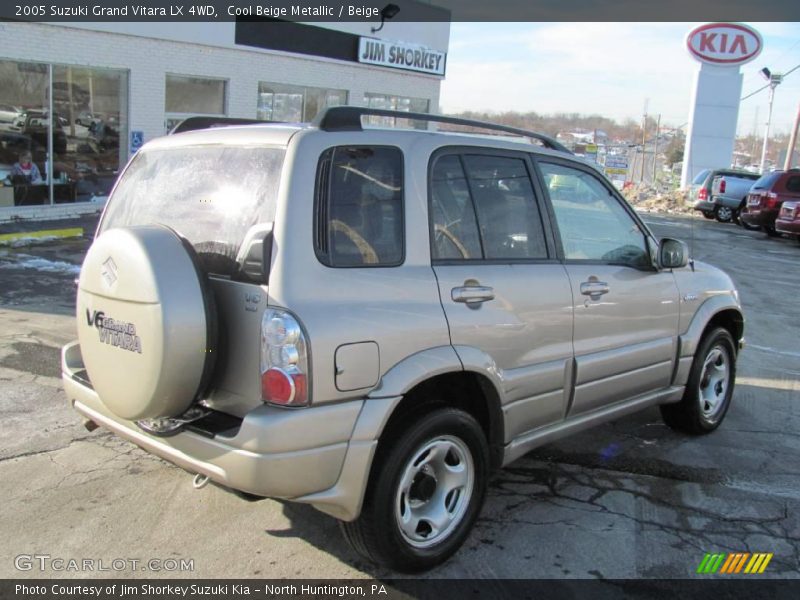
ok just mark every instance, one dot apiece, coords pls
pixel 724 44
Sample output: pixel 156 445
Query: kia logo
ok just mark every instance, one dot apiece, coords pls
pixel 724 44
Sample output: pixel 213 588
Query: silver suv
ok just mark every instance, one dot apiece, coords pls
pixel 372 320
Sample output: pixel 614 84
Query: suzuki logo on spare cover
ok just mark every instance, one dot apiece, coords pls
pixel 724 44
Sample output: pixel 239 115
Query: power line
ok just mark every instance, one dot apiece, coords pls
pixel 766 86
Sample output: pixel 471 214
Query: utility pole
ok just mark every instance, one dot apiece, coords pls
pixel 774 79
pixel 792 141
pixel 644 132
pixel 655 148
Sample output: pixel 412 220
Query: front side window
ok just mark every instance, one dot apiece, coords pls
pixel 593 223
pixel 483 207
pixel 359 207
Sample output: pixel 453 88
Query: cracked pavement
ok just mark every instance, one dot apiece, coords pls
pixel 629 499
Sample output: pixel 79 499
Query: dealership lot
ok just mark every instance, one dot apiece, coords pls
pixel 628 499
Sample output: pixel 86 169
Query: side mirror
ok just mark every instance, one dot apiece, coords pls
pixel 672 254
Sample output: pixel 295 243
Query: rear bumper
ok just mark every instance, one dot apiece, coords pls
pixel 785 226
pixel 759 217
pixel 306 455
pixel 733 203
pixel 704 206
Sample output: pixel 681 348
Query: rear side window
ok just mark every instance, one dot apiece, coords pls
pixel 767 181
pixel 359 207
pixel 212 195
pixel 483 207
pixel 793 183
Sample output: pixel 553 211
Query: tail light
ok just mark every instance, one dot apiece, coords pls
pixel 284 360
pixel 770 200
pixel 702 194
pixel 722 185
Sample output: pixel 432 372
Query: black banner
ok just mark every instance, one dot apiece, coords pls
pixel 409 10
pixel 719 588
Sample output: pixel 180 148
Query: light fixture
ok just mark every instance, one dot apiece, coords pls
pixel 387 12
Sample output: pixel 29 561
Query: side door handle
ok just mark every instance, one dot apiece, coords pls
pixel 472 294
pixel 594 289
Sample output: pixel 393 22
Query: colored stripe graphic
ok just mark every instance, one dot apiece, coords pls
pixel 733 563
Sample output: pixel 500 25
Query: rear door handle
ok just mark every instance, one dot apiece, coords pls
pixel 473 294
pixel 594 289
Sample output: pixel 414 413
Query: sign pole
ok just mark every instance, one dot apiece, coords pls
pixel 787 164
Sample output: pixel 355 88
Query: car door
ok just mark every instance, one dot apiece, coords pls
pixel 504 292
pixel 626 310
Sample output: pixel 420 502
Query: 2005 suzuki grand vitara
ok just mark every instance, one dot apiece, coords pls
pixel 371 320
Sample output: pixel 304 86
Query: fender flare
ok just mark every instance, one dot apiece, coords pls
pixel 690 338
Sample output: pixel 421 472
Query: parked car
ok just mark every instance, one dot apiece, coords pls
pixel 788 221
pixel 36 125
pixel 84 118
pixel 9 114
pixel 766 197
pixel 729 194
pixel 701 190
pixel 469 314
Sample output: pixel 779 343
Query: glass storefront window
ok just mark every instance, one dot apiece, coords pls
pixel 400 103
pixel 294 103
pixel 89 119
pixel 90 130
pixel 193 97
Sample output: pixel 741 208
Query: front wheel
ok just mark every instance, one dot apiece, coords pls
pixel 771 231
pixel 708 214
pixel 709 389
pixel 426 491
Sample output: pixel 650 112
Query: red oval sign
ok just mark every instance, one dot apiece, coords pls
pixel 724 44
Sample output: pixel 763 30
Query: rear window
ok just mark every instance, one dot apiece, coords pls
pixel 212 195
pixel 701 177
pixel 765 182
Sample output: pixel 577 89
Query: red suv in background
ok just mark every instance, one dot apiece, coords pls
pixel 766 197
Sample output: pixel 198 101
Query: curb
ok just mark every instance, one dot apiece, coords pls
pixel 45 234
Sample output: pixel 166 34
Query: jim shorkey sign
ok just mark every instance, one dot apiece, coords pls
pixel 721 48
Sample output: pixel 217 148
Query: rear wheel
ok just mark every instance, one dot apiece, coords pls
pixel 426 491
pixel 709 389
pixel 742 222
pixel 770 231
pixel 724 214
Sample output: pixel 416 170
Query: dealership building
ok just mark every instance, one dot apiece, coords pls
pixel 113 86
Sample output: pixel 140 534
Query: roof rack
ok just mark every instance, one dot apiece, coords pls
pixel 195 123
pixel 348 118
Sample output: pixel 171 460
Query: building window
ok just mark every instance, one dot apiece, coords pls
pixel 399 103
pixel 192 97
pixel 294 103
pixel 89 106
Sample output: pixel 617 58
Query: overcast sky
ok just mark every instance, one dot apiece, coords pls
pixel 605 68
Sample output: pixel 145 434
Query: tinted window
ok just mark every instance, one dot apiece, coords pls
pixel 359 207
pixel 793 183
pixel 592 222
pixel 455 230
pixel 211 195
pixel 765 182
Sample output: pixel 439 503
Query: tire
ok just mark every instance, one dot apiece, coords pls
pixel 724 214
pixel 708 214
pixel 747 226
pixel 709 389
pixel 407 482
pixel 770 231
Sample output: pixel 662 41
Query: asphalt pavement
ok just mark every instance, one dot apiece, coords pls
pixel 630 499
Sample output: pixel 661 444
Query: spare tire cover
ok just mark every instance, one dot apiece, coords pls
pixel 144 324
